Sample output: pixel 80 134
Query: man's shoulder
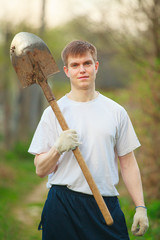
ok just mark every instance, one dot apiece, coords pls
pixel 48 110
pixel 113 107
pixel 110 102
pixel 62 100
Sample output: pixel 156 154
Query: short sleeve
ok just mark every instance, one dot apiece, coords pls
pixel 127 140
pixel 44 136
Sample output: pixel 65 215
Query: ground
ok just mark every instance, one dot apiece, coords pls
pixel 31 206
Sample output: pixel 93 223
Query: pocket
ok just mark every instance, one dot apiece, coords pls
pixel 111 203
pixel 120 222
pixel 43 216
pixel 118 214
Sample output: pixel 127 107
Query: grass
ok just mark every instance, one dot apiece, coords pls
pixel 153 233
pixel 17 179
pixel 20 180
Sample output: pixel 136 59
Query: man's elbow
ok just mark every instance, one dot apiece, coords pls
pixel 40 173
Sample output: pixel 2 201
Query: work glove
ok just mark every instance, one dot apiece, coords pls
pixel 140 222
pixel 68 140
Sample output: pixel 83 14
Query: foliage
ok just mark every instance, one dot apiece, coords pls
pixel 18 151
pixel 118 71
pixel 153 215
pixel 17 178
pixel 148 124
pixel 129 71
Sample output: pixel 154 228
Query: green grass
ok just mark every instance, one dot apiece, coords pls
pixel 20 181
pixel 17 179
pixel 153 212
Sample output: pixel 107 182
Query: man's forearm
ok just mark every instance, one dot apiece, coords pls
pixel 46 162
pixel 132 178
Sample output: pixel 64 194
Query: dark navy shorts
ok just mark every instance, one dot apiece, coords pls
pixel 70 215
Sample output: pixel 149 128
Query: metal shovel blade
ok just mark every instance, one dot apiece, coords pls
pixel 31 58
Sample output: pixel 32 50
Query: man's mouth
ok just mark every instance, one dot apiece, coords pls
pixel 83 77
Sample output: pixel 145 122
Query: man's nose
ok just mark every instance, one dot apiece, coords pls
pixel 82 69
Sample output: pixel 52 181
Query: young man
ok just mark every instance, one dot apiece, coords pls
pixel 103 131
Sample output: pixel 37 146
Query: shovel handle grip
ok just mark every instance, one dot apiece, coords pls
pixel 99 199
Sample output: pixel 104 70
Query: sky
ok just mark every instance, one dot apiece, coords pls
pixel 60 11
pixel 57 11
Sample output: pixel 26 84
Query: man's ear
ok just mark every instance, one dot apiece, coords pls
pixel 96 66
pixel 66 71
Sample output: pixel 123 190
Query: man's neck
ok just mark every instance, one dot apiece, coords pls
pixel 82 96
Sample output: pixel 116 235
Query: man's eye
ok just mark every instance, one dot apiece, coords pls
pixel 88 63
pixel 74 65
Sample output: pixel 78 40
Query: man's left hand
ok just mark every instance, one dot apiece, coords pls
pixel 140 222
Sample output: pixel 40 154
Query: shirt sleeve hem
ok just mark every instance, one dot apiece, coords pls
pixel 128 150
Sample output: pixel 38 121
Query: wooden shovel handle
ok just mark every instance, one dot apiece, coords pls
pixel 99 199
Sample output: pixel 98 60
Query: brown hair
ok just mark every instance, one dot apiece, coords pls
pixel 78 47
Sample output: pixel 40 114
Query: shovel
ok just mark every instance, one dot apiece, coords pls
pixel 34 63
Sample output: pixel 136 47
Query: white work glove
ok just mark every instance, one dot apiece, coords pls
pixel 68 140
pixel 140 222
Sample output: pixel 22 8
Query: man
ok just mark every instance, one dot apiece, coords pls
pixel 103 131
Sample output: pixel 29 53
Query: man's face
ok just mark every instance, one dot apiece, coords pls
pixel 82 71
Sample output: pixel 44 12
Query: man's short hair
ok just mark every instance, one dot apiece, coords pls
pixel 76 48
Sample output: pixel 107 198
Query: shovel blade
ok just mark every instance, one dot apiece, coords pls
pixel 31 58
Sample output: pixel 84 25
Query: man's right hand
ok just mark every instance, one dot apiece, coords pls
pixel 68 140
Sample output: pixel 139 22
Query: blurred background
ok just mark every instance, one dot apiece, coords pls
pixel 127 36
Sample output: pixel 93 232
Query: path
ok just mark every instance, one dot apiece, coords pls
pixel 30 208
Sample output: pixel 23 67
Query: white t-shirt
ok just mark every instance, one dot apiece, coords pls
pixel 105 131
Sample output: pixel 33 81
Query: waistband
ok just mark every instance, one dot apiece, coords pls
pixel 64 188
